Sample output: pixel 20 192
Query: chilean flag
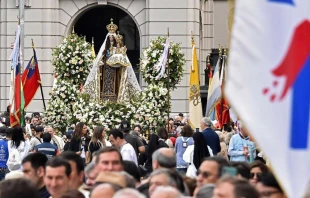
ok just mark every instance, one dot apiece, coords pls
pixel 268 84
pixel 16 104
pixel 31 79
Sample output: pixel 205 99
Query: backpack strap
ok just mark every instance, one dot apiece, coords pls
pixel 39 139
pixel 185 140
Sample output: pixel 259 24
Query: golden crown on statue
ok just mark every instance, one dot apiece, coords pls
pixel 112 27
pixel 118 38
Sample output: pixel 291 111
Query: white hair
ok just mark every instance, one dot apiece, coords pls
pixel 128 193
pixel 168 190
pixel 206 121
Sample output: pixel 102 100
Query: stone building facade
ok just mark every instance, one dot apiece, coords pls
pixel 47 21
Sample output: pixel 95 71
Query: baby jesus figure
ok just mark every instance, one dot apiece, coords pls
pixel 119 58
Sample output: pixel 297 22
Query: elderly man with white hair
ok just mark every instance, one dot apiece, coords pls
pixel 211 138
pixel 56 140
pixel 241 148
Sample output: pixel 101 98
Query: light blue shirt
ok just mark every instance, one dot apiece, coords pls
pixel 235 149
pixel 179 150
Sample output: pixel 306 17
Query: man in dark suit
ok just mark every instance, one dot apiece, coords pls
pixel 211 138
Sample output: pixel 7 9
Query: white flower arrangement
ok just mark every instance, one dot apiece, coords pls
pixel 67 106
pixel 59 112
pixel 72 59
pixel 107 114
pixel 176 60
pixel 58 115
pixel 152 110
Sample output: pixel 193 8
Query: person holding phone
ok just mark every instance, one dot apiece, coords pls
pixel 80 140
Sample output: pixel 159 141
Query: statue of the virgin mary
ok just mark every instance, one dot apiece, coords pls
pixel 109 78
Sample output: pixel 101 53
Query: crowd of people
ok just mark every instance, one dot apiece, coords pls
pixel 176 161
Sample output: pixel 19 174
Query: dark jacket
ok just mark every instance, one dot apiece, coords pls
pixel 212 140
pixel 47 149
pixel 77 145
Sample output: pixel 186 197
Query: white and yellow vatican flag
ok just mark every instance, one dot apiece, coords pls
pixel 195 109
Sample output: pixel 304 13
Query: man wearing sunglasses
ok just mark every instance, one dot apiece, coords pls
pixel 210 170
pixel 268 187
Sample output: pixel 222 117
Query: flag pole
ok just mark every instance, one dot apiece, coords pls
pixel 21 23
pixel 21 53
pixel 223 84
pixel 221 100
pixel 168 76
pixel 42 94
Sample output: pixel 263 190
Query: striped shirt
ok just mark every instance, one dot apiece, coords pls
pixel 47 149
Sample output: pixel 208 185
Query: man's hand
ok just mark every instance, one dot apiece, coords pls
pixel 245 152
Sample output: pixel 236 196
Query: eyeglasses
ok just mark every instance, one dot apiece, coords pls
pixel 268 193
pixel 204 174
pixel 258 175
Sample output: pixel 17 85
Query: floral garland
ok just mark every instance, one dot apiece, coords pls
pixel 176 62
pixel 107 114
pixel 58 115
pixel 151 112
pixel 59 109
pixel 72 59
pixel 66 91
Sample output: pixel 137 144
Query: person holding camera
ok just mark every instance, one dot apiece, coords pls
pixel 80 140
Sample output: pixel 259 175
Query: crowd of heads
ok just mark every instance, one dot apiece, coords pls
pixel 109 173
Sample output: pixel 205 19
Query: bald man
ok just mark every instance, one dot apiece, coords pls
pixel 103 190
pixel 166 192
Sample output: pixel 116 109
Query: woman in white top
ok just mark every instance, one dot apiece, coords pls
pixel 18 148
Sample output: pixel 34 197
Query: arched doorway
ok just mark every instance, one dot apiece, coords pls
pixel 93 24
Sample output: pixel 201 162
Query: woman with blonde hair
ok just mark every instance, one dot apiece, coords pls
pixel 98 140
